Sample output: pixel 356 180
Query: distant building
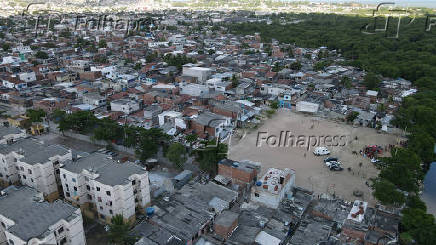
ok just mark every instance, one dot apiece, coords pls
pixel 201 73
pixel 26 219
pixel 304 106
pixel 124 105
pixel 94 99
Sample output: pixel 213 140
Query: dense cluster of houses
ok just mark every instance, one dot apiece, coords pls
pixel 130 79
pixel 49 188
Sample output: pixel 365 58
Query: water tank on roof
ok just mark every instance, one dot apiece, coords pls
pixel 150 211
pixel 235 164
pixel 258 183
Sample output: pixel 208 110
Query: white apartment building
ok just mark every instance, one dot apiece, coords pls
pixel 104 188
pixel 25 218
pixel 272 187
pixel 125 106
pixel 32 163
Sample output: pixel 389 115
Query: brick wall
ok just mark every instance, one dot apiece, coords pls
pixel 238 176
pixel 225 232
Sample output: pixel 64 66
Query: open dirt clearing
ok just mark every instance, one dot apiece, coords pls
pixel 311 172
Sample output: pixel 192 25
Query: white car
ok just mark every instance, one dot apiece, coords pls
pixel 321 151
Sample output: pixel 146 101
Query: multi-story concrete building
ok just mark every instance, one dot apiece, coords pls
pixel 32 163
pixel 26 219
pixel 272 187
pixel 201 73
pixel 104 188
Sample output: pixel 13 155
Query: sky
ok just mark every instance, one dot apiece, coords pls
pixel 411 3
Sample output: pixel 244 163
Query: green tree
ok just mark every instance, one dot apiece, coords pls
pixel 235 81
pixel 275 104
pixel 345 82
pixel 6 46
pixel 146 149
pixel 387 193
pixel 35 115
pixel 176 154
pixel 137 66
pixel 295 66
pixel 191 138
pixel 371 81
pixel 352 116
pixel 41 55
pixel 210 155
pixel 119 231
pixel 102 43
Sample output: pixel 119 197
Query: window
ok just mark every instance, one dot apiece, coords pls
pixel 31 180
pixel 99 199
pixel 98 188
pixel 58 171
pixel 256 194
pixel 63 241
pixel 24 176
pixel 109 203
pixel 29 171
pixel 68 194
pixel 75 188
pixel 22 169
pixel 133 182
pixel 60 230
pixel 3 224
pixel 101 207
pixel 88 187
pixel 108 193
pixel 89 197
pixel 65 176
pixel 102 216
pixel 17 168
pixel 74 180
pixel 11 242
pixel 1 175
pixel 110 211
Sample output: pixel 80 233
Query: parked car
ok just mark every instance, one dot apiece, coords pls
pixel 334 165
pixel 321 151
pixel 329 159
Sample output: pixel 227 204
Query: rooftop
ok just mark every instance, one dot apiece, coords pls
pixel 226 218
pixel 209 119
pixel 110 171
pixel 32 217
pixel 4 131
pixel 33 151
